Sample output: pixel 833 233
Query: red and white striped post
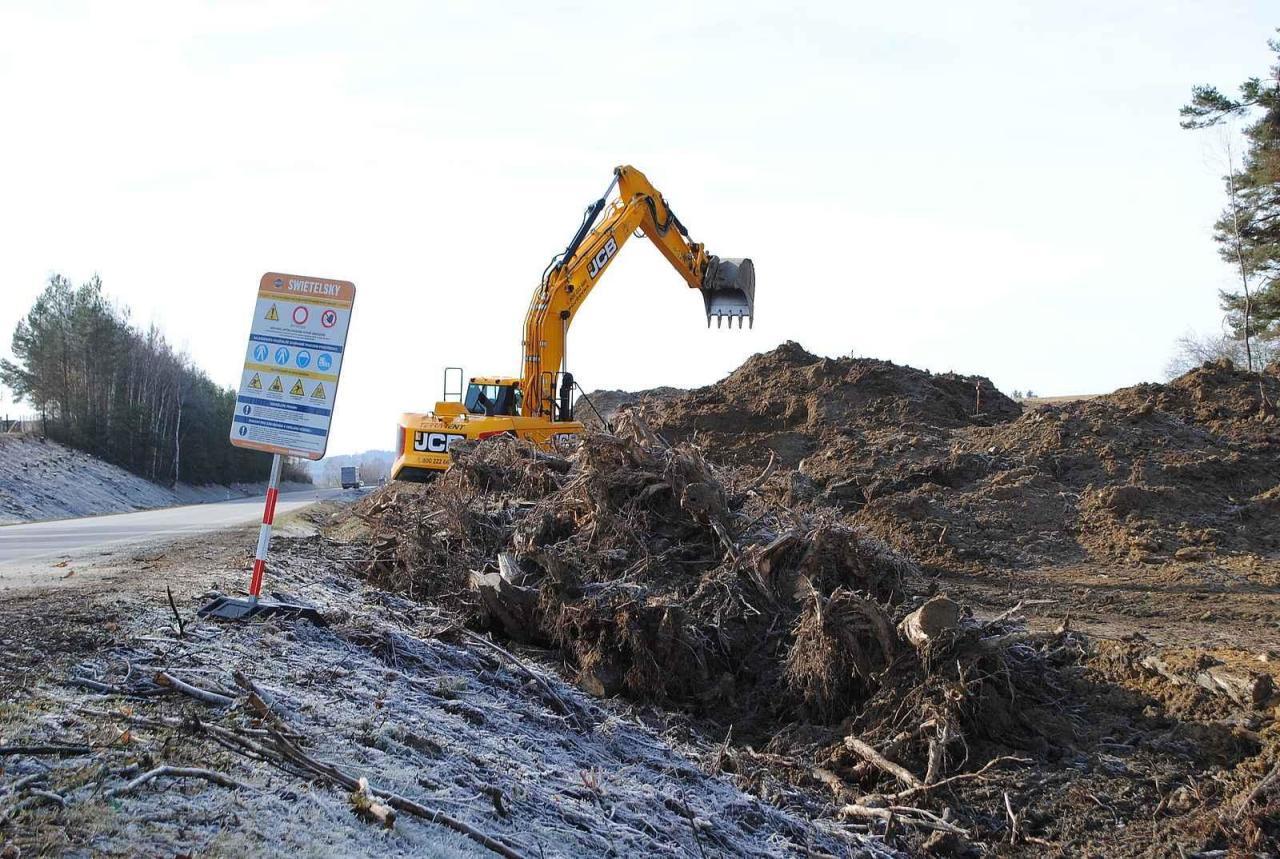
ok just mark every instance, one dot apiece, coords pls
pixel 264 533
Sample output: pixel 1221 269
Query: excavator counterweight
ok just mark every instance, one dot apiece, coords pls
pixel 538 404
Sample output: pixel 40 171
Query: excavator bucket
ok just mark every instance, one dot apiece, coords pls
pixel 729 291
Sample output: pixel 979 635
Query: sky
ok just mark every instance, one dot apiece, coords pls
pixel 997 187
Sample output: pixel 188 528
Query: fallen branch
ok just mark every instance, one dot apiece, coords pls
pixel 296 756
pixel 917 817
pixel 259 700
pixel 911 793
pixel 873 757
pixel 49 795
pixel 163 678
pixel 560 705
pixel 60 750
pixel 178 772
pixel 1258 788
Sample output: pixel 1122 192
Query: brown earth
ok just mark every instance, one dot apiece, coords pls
pixel 755 596
pixel 958 476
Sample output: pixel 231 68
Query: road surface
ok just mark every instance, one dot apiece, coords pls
pixel 20 544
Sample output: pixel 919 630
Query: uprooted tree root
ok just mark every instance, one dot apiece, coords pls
pixel 669 580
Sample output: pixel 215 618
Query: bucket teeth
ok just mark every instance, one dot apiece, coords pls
pixel 729 291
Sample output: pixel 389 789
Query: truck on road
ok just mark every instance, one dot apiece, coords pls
pixel 350 477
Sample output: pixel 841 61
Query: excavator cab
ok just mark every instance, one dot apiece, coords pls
pixel 493 396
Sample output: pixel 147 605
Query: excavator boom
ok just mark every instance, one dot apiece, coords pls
pixel 537 404
pixel 727 285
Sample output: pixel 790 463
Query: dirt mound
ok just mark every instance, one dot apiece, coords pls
pixel 605 403
pixel 797 405
pixel 954 474
pixel 1151 473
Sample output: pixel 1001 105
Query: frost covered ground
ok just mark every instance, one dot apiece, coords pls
pixel 41 479
pixel 391 691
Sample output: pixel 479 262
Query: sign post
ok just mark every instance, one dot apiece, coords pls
pixel 285 403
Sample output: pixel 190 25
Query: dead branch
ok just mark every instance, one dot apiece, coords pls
pixel 907 815
pixel 163 678
pixel 260 701
pixel 182 630
pixel 924 625
pixel 408 806
pixel 1258 788
pixel 178 772
pixel 764 475
pixel 911 793
pixel 366 805
pixel 871 756
pixel 561 707
pixel 60 750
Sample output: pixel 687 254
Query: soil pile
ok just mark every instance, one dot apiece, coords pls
pixel 841 416
pixel 1153 473
pixel 953 473
pixel 753 561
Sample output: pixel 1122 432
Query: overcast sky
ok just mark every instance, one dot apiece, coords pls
pixel 989 187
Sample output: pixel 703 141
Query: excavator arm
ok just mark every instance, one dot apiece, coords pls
pixel 727 285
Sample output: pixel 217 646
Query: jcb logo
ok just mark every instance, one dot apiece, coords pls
pixel 435 442
pixel 602 257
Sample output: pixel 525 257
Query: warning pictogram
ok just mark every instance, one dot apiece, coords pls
pixel 289 382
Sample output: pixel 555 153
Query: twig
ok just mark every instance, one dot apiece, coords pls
pixel 164 678
pixel 49 795
pixel 400 803
pixel 561 706
pixel 904 814
pixel 927 788
pixel 1258 788
pixel 24 781
pixel 178 772
pixel 1013 819
pixel 687 813
pixel 177 617
pixel 59 750
pixel 259 699
pixel 764 475
pixel 871 756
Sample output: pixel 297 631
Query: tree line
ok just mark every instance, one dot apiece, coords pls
pixel 1248 229
pixel 121 393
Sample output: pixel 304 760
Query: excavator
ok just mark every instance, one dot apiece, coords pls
pixel 538 405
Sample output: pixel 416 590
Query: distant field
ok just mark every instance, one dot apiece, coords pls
pixel 1073 398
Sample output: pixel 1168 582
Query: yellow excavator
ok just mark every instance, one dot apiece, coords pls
pixel 539 404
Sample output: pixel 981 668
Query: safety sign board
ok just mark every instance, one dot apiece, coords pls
pixel 299 332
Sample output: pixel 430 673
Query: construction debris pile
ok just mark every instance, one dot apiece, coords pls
pixel 665 579
pixel 758 555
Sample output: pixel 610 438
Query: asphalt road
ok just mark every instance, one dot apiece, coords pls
pixel 63 537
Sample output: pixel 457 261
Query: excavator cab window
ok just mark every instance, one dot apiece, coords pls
pixel 491 399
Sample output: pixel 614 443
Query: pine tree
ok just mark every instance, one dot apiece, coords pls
pixel 1248 231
